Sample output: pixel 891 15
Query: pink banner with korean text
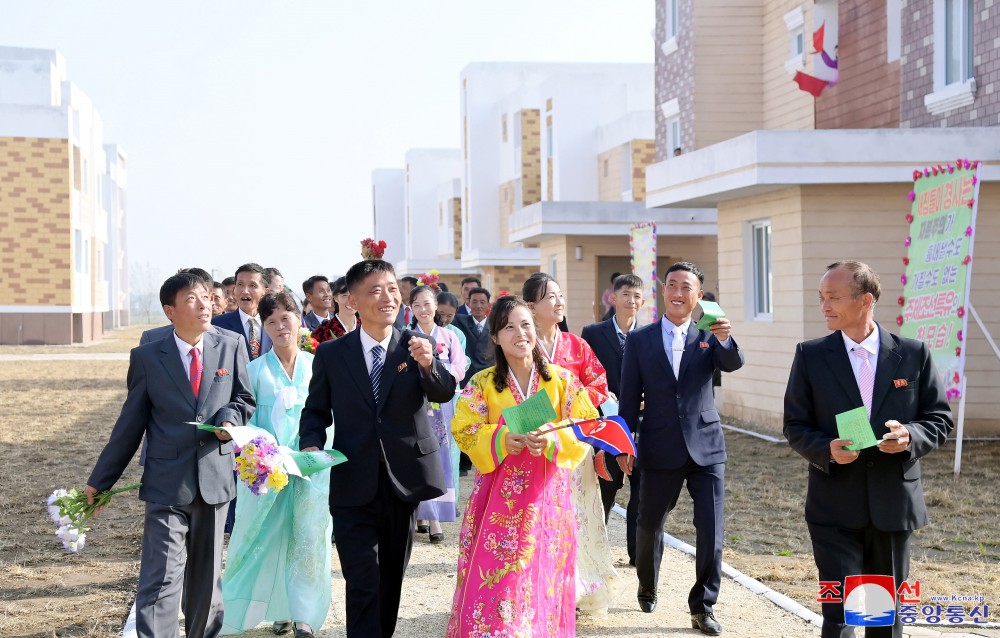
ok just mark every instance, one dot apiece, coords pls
pixel 942 223
pixel 642 248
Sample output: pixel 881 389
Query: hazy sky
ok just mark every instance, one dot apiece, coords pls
pixel 252 127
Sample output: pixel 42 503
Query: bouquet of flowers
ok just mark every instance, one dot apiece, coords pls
pixel 324 331
pixel 306 340
pixel 430 279
pixel 69 510
pixel 371 249
pixel 260 467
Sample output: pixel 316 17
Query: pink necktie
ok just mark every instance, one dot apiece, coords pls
pixel 866 378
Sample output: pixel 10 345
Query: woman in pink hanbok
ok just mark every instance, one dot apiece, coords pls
pixel 517 547
pixel 598 583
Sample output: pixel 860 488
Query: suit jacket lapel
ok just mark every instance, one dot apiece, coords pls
pixel 840 365
pixel 612 336
pixel 396 355
pixel 358 367
pixel 658 350
pixel 693 336
pixel 211 355
pixel 885 369
pixel 171 359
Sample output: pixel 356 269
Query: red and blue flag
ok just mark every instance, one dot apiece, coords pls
pixel 607 433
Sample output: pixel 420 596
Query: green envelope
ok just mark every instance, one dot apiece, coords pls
pixel 854 425
pixel 713 312
pixel 533 412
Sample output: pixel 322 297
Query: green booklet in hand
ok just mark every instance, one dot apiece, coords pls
pixel 532 413
pixel 712 312
pixel 854 425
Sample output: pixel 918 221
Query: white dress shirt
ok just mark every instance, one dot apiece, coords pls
pixel 871 344
pixel 185 349
pixel 480 325
pixel 368 343
pixel 245 320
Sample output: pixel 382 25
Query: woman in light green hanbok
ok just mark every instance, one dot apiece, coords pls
pixel 278 564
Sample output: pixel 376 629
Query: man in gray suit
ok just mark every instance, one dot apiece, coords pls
pixel 187 481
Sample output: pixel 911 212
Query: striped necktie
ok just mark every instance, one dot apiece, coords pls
pixel 866 378
pixel 376 373
pixel 621 340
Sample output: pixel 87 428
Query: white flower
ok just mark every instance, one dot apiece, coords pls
pixel 72 539
pixel 54 512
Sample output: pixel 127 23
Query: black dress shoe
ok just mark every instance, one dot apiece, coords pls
pixel 423 529
pixel 437 537
pixel 706 623
pixel 303 630
pixel 647 600
pixel 281 627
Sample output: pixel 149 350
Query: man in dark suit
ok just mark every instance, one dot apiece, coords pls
pixel 251 285
pixel 862 506
pixel 669 364
pixel 477 333
pixel 468 284
pixel 607 339
pixel 192 374
pixel 320 296
pixel 374 382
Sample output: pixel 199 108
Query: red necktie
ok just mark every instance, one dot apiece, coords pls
pixel 408 316
pixel 195 371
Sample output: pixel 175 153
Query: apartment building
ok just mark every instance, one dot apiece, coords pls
pixel 803 135
pixel 63 249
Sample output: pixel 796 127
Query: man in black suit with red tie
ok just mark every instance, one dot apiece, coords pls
pixel 862 506
pixel 607 339
pixel 668 365
pixel 374 383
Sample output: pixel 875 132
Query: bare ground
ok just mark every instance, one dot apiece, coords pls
pixel 56 416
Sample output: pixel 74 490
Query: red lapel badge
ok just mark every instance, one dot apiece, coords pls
pixel 900 383
pixel 222 372
pixel 401 367
pixel 703 344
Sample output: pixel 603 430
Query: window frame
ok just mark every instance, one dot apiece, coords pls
pixel 757 268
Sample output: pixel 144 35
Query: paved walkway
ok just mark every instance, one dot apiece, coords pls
pixel 92 356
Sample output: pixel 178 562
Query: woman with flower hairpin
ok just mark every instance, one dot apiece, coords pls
pixel 278 565
pixel 423 301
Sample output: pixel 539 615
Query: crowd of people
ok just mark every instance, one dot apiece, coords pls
pixel 410 382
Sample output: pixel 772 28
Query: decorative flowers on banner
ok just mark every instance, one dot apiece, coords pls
pixel 371 249
pixel 901 300
pixel 906 261
pixel 913 197
pixel 902 279
pixel 909 218
pixel 70 511
pixel 968 231
pixel 909 240
pixel 953 394
pixel 958 351
pixel 306 340
pixel 968 258
pixel 960 312
pixel 259 467
pixel 899 320
pixel 959 335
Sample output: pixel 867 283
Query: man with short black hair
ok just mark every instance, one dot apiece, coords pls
pixel 374 383
pixel 477 333
pixel 194 374
pixel 607 339
pixel 468 284
pixel 230 285
pixel 668 367
pixel 405 319
pixel 218 298
pixel 251 284
pixel 320 297
pixel 275 280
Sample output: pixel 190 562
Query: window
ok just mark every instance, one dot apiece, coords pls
pixel 674 135
pixel 795 23
pixel 548 141
pixel 553 262
pixel 604 165
pixel 626 172
pixel 503 128
pixel 954 82
pixel 670 27
pixel 78 249
pixel 671 111
pixel 957 40
pixel 760 270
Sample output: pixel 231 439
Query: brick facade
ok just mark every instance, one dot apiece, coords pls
pixel 675 76
pixel 917 67
pixel 867 94
pixel 531 156
pixel 643 154
pixel 509 278
pixel 456 224
pixel 36 263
